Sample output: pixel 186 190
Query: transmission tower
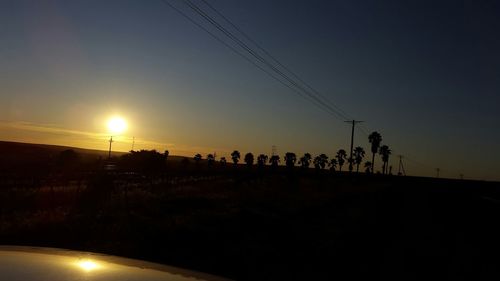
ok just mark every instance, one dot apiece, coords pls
pixel 401 167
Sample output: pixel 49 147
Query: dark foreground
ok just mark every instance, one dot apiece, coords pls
pixel 270 225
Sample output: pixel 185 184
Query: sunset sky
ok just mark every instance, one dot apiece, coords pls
pixel 425 74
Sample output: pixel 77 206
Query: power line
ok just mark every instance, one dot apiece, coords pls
pixel 321 101
pixel 296 84
pixel 256 55
pixel 253 53
pixel 325 99
pixel 362 129
pixel 240 54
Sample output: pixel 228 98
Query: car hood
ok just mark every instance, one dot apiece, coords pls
pixel 44 264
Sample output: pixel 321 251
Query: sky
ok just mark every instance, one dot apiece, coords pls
pixel 424 74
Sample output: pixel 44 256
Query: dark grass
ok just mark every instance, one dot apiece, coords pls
pixel 270 225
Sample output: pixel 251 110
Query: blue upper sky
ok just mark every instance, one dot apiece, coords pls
pixel 425 74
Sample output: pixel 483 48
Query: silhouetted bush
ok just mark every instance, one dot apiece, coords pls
pixel 143 161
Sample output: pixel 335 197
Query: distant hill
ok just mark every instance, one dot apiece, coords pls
pixel 20 149
pixel 17 153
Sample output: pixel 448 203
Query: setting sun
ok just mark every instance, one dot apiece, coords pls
pixel 117 125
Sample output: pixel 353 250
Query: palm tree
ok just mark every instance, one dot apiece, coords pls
pixel 384 152
pixel 305 160
pixel 236 157
pixel 290 159
pixel 249 159
pixel 223 161
pixel 274 160
pixel 261 160
pixel 320 161
pixel 359 153
pixel 197 158
pixel 333 164
pixel 316 162
pixel 368 166
pixel 341 156
pixel 375 139
pixel 324 160
pixel 210 159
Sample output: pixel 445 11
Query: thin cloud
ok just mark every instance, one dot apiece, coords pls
pixel 47 128
pixel 90 139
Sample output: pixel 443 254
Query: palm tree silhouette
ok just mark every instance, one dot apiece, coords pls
pixel 368 166
pixel 274 160
pixel 197 158
pixel 324 160
pixel 316 162
pixel 359 153
pixel 384 152
pixel 249 159
pixel 341 156
pixel 320 161
pixel 290 159
pixel 236 157
pixel 223 161
pixel 210 159
pixel 333 164
pixel 261 160
pixel 375 139
pixel 305 160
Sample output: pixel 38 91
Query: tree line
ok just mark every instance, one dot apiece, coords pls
pixel 320 162
pixel 153 161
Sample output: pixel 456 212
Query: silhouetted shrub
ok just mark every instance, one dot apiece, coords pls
pixel 143 161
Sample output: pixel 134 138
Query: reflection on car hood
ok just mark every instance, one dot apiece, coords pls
pixel 44 264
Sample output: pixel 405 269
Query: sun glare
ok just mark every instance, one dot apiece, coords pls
pixel 117 125
pixel 88 265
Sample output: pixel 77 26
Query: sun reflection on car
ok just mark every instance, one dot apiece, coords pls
pixel 88 265
pixel 48 264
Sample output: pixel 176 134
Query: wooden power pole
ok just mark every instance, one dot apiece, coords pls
pixel 353 122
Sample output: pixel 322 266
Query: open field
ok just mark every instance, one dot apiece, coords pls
pixel 251 224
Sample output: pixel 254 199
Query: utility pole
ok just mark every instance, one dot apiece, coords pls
pixel 354 122
pixel 133 143
pixel 437 171
pixel 401 167
pixel 110 142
